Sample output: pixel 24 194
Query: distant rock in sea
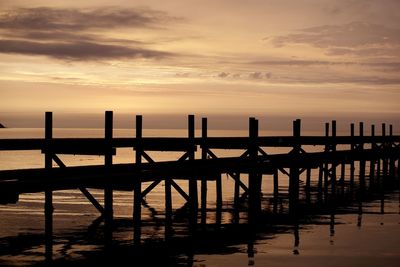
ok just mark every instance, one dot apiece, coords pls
pixel 2 126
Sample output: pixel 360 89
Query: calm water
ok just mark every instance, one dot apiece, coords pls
pixel 366 235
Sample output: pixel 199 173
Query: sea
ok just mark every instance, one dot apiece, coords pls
pixel 361 233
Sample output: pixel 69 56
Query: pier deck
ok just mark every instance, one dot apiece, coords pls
pixel 381 152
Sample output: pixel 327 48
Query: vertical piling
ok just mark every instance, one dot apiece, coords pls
pixel 254 192
pixel 384 158
pixel 352 147
pixel 392 165
pixel 342 177
pixel 294 170
pixel 320 179
pixel 237 190
pixel 193 198
pixel 326 165
pixel 379 164
pixel 204 153
pixel 168 208
pixel 276 189
pixel 48 205
pixel 362 161
pixel 137 185
pixel 373 159
pixel 333 170
pixel 308 185
pixel 108 192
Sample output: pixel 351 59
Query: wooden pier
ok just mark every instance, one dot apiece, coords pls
pixel 382 153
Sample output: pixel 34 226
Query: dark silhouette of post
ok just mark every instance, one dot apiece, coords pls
pixel 108 191
pixel 250 253
pixel 48 205
pixel 254 190
pixel 168 208
pixel 204 153
pixel 362 161
pixel 326 165
pixel 342 177
pixel 296 234
pixel 320 181
pixel 137 187
pixel 352 147
pixel 332 228
pixel 294 173
pixel 333 170
pixel 308 185
pixel 392 165
pixel 384 158
pixel 276 190
pixel 236 191
pixel 372 162
pixel 193 198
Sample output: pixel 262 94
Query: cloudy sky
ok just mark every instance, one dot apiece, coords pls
pixel 299 58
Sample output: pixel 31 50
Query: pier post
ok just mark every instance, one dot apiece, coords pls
pixel 204 153
pixel 352 146
pixel 108 192
pixel 379 164
pixel 342 177
pixel 276 190
pixel 362 161
pixel 320 178
pixel 308 185
pixel 384 158
pixel 326 165
pixel 333 170
pixel 137 185
pixel 48 205
pixel 294 174
pixel 237 191
pixel 373 159
pixel 168 208
pixel 254 190
pixel 193 198
pixel 392 165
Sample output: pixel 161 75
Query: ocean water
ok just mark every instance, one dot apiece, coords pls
pixel 351 236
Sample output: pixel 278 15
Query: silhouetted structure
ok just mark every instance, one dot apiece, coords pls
pixel 381 152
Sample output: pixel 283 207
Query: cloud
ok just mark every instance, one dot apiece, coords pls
pixel 357 38
pixel 45 18
pixel 353 34
pixel 394 65
pixel 223 74
pixel 255 75
pixel 182 75
pixel 291 62
pixel 77 50
pixel 74 34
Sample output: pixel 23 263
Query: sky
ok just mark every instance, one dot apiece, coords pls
pixel 303 58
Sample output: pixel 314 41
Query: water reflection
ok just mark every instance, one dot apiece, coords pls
pixel 173 246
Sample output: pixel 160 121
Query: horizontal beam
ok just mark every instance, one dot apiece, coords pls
pixel 98 146
pixel 123 175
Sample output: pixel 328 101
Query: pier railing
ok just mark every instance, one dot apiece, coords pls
pixel 382 153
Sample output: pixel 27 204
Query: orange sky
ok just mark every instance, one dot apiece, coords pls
pixel 211 57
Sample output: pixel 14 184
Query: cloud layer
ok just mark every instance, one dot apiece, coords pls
pixel 78 35
pixel 356 38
